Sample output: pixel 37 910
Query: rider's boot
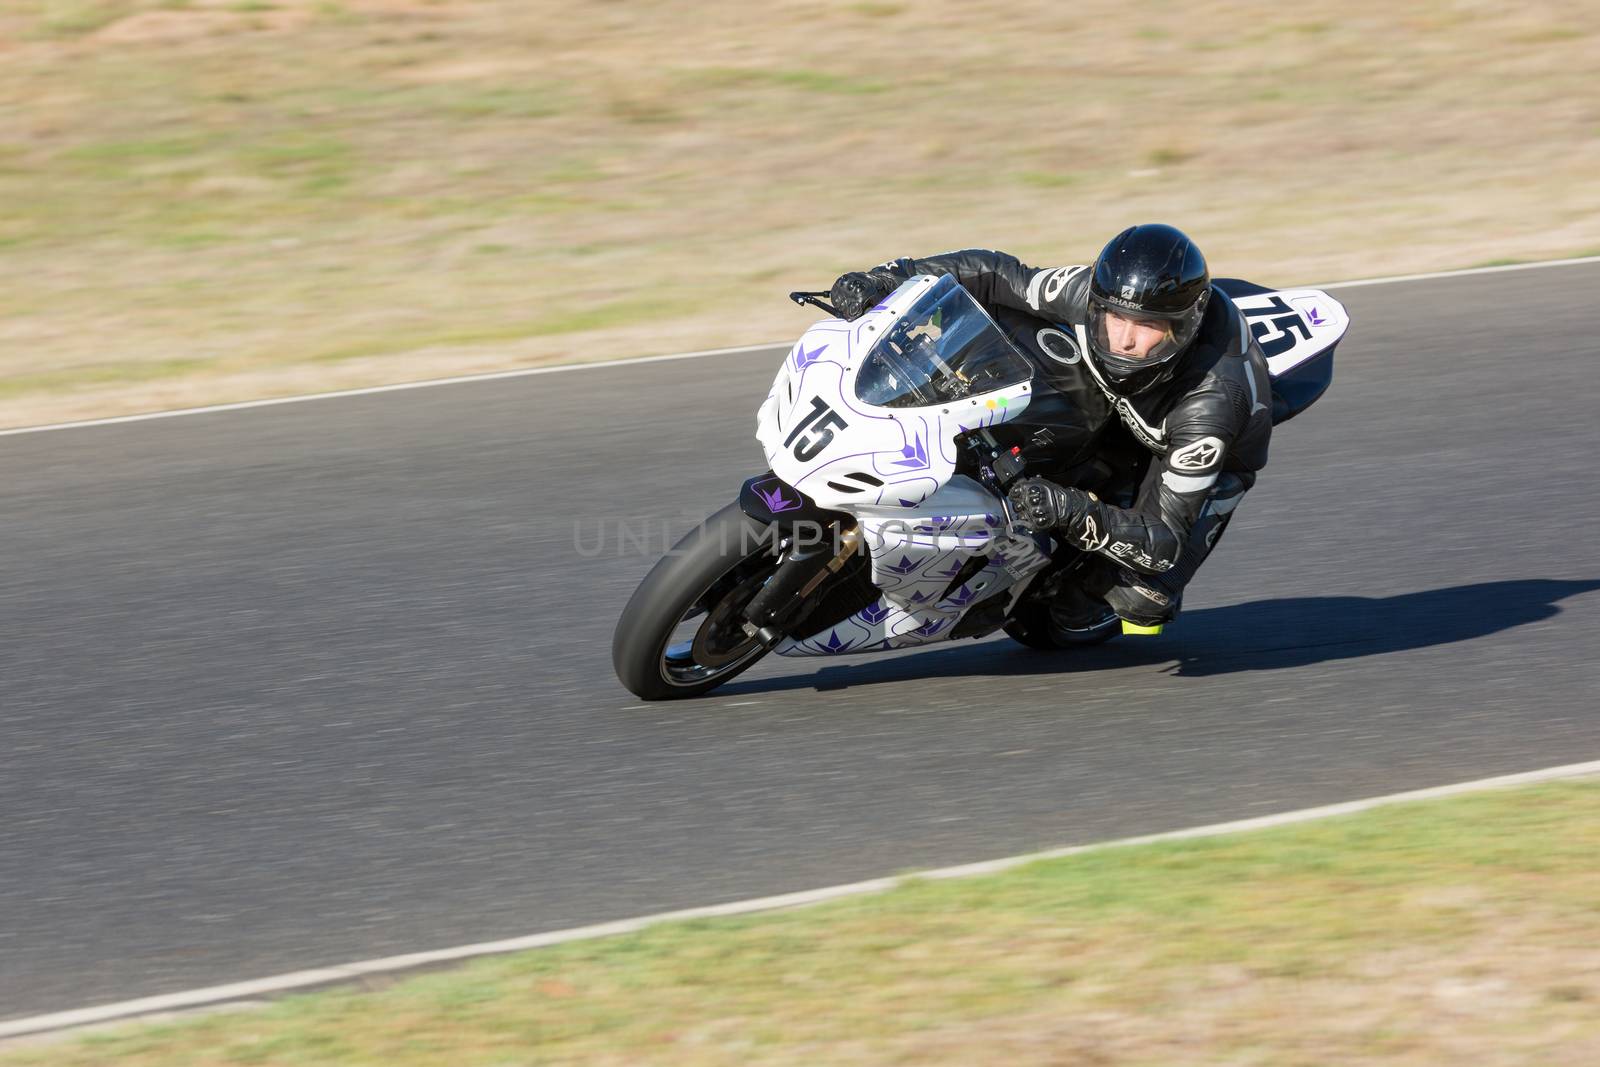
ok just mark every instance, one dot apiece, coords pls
pixel 1149 625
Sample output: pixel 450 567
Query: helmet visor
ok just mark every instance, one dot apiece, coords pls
pixel 1128 342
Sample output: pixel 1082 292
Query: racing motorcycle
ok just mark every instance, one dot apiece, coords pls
pixel 882 521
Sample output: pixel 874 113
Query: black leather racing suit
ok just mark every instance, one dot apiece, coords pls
pixel 1208 428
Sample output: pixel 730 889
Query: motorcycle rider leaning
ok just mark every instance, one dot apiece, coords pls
pixel 1176 360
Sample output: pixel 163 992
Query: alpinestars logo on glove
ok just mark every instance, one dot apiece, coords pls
pixel 1091 534
pixel 1199 456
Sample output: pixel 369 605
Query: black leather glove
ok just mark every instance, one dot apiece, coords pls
pixel 854 293
pixel 1043 505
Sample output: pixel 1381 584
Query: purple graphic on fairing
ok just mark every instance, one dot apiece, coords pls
pixel 931 627
pixel 873 613
pixel 905 566
pixel 836 645
pixel 772 492
pixel 916 456
pixel 1316 317
pixel 804 359
pixel 963 596
pixel 953 570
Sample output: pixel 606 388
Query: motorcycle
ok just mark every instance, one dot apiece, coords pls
pixel 882 521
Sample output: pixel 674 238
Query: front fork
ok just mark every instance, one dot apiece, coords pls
pixel 786 598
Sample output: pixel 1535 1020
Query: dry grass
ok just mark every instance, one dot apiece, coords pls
pixel 1464 931
pixel 220 199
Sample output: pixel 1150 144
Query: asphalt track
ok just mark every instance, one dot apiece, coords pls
pixel 304 684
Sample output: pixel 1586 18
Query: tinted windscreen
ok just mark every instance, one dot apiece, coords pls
pixel 942 349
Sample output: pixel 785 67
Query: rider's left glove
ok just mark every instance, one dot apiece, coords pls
pixel 1043 505
pixel 858 291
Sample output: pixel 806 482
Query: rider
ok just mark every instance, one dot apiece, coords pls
pixel 1176 360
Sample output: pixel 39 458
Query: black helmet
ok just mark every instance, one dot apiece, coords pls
pixel 1156 275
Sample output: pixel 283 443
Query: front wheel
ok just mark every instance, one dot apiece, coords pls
pixel 682 632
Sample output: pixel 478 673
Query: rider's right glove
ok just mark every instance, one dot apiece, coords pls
pixel 854 293
pixel 1043 505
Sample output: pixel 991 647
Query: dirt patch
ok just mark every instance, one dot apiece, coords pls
pixel 166 27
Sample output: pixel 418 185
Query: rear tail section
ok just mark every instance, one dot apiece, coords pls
pixel 1297 330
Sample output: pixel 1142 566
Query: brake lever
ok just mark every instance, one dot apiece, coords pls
pixel 816 301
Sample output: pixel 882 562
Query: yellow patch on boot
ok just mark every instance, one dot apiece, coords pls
pixel 1135 628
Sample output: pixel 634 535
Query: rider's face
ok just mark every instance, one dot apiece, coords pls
pixel 1133 338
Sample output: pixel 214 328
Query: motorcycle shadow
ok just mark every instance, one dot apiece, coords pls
pixel 1257 636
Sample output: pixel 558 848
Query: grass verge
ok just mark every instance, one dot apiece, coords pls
pixel 213 200
pixel 1461 930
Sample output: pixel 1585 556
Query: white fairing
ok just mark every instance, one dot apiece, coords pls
pixel 894 470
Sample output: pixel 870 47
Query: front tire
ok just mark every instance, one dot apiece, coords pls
pixel 681 634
